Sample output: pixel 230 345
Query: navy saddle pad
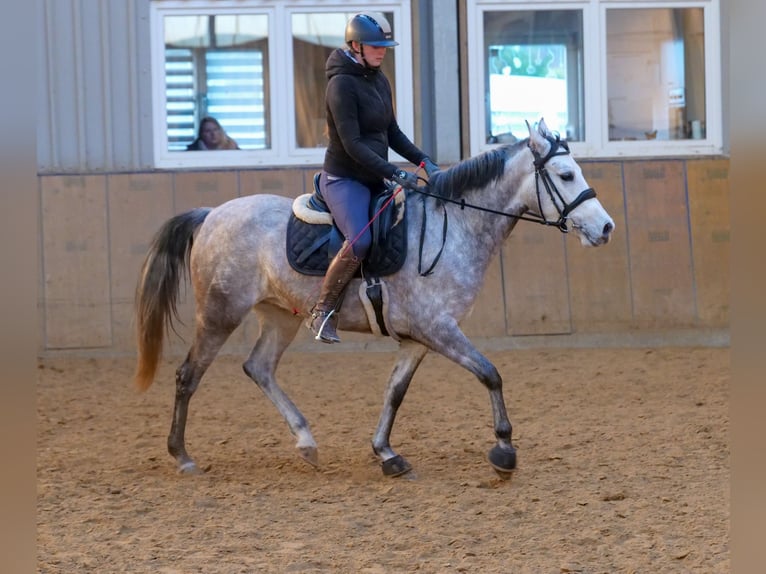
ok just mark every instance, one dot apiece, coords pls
pixel 311 246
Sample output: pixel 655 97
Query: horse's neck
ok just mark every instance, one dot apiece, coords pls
pixel 491 225
pixel 472 234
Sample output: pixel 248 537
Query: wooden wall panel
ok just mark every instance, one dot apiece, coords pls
pixel 285 182
pixel 138 205
pixel 599 277
pixel 659 254
pixel 204 189
pixel 709 216
pixel 535 275
pixel 76 262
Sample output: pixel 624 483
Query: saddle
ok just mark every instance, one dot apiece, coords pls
pixel 313 239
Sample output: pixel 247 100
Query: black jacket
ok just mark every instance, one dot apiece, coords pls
pixel 361 123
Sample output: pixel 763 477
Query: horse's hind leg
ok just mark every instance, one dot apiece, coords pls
pixel 208 340
pixel 410 356
pixel 278 329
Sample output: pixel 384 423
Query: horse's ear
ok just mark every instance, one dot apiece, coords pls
pixel 537 142
pixel 542 127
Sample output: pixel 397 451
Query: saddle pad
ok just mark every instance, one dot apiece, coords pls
pixel 311 246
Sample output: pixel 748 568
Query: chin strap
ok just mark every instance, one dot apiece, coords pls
pixel 361 53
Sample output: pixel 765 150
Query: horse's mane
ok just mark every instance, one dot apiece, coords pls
pixel 474 172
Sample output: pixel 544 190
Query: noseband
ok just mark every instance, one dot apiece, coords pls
pixel 558 147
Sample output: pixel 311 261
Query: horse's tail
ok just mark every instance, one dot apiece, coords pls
pixel 166 263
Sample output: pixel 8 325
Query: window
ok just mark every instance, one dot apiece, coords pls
pixel 258 68
pixel 668 45
pixel 534 69
pixel 225 84
pixel 614 77
pixel 314 37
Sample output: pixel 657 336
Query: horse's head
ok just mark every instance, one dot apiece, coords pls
pixel 560 194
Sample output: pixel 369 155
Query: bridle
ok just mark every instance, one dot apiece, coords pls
pixel 558 147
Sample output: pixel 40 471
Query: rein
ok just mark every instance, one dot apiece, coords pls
pixel 558 147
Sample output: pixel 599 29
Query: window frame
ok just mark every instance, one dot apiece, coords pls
pixel 284 150
pixel 596 143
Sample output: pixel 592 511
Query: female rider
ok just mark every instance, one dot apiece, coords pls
pixel 362 127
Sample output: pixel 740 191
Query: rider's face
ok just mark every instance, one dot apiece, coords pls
pixel 373 54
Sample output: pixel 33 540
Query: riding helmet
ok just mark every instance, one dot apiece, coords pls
pixel 370 28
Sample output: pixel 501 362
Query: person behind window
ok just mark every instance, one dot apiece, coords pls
pixel 211 136
pixel 361 126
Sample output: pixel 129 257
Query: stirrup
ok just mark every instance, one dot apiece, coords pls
pixel 319 333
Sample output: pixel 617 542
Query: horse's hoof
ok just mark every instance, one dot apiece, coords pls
pixel 396 466
pixel 309 454
pixel 189 468
pixel 502 460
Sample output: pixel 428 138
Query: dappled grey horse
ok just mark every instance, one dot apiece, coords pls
pixel 235 255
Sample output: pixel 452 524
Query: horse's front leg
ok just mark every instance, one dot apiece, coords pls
pixel 410 356
pixel 446 338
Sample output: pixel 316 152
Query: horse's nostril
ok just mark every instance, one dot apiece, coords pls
pixel 608 228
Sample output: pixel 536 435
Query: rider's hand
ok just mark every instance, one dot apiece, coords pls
pixel 430 167
pixel 406 179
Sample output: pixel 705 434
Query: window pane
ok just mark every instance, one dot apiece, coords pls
pixel 217 66
pixel 315 36
pixel 534 69
pixel 656 73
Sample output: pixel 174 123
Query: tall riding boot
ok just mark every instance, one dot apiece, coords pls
pixel 323 314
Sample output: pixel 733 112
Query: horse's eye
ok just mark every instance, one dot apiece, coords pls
pixel 567 176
